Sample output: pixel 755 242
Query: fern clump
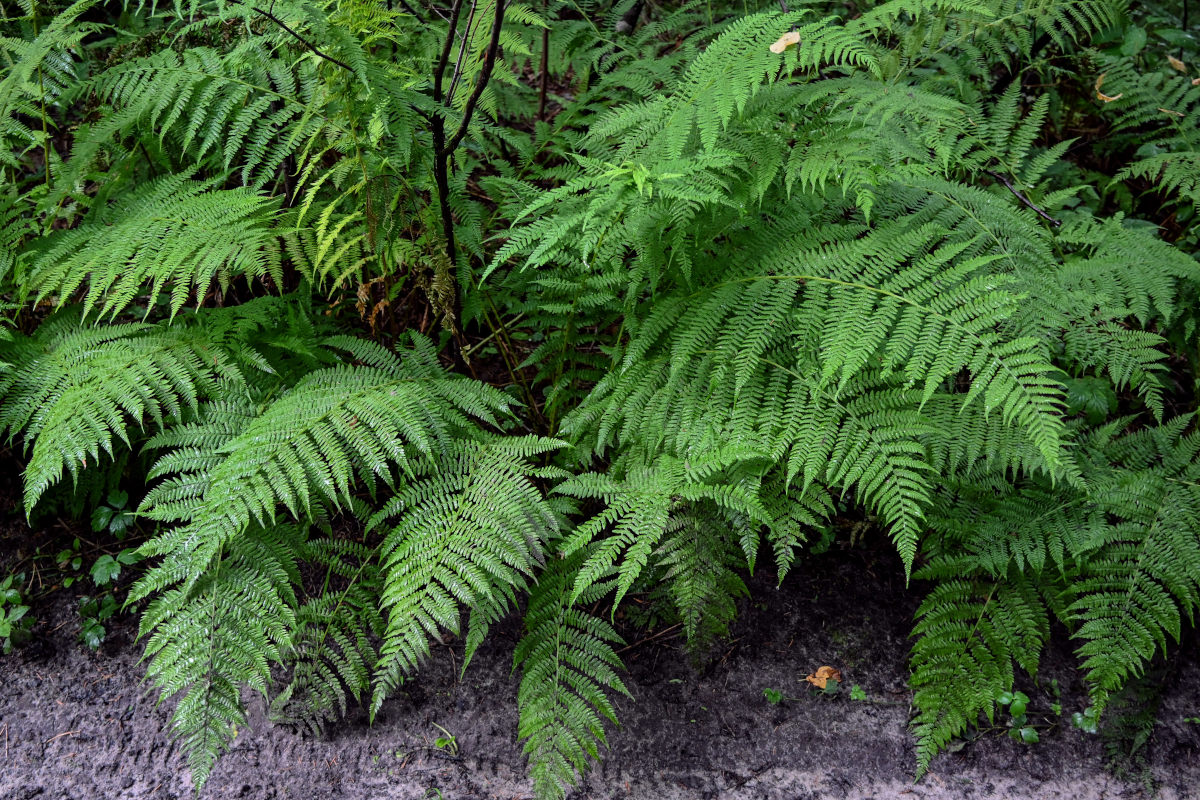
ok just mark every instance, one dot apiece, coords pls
pixel 338 290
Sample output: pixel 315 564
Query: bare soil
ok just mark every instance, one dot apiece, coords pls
pixel 77 725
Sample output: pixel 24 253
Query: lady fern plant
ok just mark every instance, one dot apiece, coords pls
pixel 752 272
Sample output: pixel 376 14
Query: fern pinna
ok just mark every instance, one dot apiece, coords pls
pixel 754 273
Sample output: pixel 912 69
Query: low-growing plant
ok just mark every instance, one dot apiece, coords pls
pixel 15 622
pixel 333 289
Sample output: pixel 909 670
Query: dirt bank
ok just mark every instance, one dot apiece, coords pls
pixel 79 725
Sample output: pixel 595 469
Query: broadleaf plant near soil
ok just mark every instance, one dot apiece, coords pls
pixel 395 318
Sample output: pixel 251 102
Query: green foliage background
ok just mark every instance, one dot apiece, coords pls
pixel 503 307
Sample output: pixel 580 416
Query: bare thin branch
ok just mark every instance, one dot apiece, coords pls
pixel 312 47
pixel 1024 199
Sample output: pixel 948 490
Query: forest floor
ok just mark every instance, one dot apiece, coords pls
pixel 80 725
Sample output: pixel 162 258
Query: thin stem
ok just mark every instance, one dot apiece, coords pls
pixel 495 332
pixel 464 42
pixel 544 80
pixel 444 58
pixel 1055 222
pixel 412 11
pixel 481 82
pixel 295 35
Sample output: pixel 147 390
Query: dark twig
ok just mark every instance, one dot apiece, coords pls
pixel 462 51
pixel 544 79
pixel 438 129
pixel 412 10
pixel 1016 193
pixel 783 6
pixel 443 148
pixel 658 635
pixel 629 19
pixel 295 35
pixel 444 58
pixel 481 82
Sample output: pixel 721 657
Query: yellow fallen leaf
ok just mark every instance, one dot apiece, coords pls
pixel 784 42
pixel 1195 81
pixel 823 675
pixel 1101 95
pixel 1169 111
pixel 1176 63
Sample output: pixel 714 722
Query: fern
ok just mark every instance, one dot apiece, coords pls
pixel 748 273
pixel 970 635
pixel 471 534
pixel 568 668
pixel 74 391
pixel 333 643
pixel 229 472
pixel 1136 587
pixel 224 630
pixel 178 236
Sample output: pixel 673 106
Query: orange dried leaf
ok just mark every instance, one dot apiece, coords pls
pixel 784 42
pixel 1176 63
pixel 823 675
pixel 1195 81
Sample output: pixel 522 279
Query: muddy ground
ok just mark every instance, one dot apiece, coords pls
pixel 80 725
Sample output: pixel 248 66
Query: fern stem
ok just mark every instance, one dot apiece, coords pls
pixel 481 82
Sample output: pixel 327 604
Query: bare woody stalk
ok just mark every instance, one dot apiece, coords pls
pixel 544 79
pixel 312 47
pixel 443 147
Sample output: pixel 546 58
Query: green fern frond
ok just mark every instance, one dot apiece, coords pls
pixel 969 635
pixel 37 72
pixel 179 235
pixel 76 391
pixel 1134 589
pixel 470 534
pixel 244 107
pixel 700 563
pixel 568 670
pixel 333 645
pixel 640 512
pixel 224 630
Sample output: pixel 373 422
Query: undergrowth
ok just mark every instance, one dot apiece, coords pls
pixel 498 308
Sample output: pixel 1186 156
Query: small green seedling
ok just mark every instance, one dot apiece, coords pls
pixel 14 622
pixel 857 693
pixel 70 559
pixel 774 696
pixel 113 515
pixel 93 612
pixel 1017 704
pixel 448 743
pixel 1087 720
pixel 107 568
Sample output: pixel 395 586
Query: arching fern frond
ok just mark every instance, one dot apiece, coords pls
pixel 224 630
pixel 76 391
pixel 568 671
pixel 1134 589
pixel 334 645
pixel 970 634
pixel 179 235
pixel 470 534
